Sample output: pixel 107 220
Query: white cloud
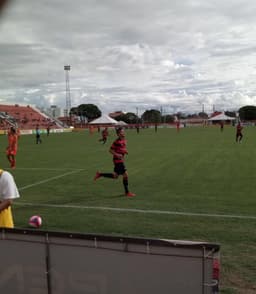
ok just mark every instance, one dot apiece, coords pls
pixel 128 54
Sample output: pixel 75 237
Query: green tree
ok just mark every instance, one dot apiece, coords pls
pixel 181 115
pixel 203 115
pixel 129 118
pixel 247 112
pixel 74 111
pixel 168 118
pixel 90 111
pixel 151 116
pixel 230 113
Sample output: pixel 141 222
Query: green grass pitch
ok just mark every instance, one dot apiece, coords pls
pixel 198 184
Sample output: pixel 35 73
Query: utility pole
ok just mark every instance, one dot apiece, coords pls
pixel 68 98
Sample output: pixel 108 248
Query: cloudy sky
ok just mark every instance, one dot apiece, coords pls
pixel 130 55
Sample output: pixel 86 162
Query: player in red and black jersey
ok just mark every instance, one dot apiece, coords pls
pixel 239 134
pixel 118 150
pixel 104 135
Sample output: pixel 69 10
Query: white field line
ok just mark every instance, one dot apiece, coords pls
pixel 139 211
pixel 45 168
pixel 49 179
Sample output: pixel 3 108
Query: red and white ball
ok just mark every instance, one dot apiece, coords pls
pixel 35 221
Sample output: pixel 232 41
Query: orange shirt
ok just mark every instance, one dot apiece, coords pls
pixel 13 142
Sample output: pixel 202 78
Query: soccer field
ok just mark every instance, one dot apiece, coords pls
pixel 197 184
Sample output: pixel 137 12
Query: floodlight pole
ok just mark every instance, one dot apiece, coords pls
pixel 68 97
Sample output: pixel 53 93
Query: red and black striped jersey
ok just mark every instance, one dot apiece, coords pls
pixel 104 133
pixel 239 129
pixel 119 147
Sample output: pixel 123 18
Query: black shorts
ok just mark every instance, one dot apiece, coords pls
pixel 119 168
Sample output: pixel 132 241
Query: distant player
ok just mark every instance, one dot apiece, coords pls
pixel 12 147
pixel 239 134
pixel 177 125
pixel 38 135
pixel 91 130
pixel 118 150
pixel 221 126
pixel 48 130
pixel 104 135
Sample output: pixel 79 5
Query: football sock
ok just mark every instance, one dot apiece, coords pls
pixel 125 183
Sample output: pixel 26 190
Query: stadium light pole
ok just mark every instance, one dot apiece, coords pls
pixel 68 97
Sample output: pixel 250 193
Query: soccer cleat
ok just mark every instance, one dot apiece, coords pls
pixel 97 176
pixel 130 194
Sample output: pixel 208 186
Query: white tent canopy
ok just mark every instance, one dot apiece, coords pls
pixel 104 119
pixel 221 116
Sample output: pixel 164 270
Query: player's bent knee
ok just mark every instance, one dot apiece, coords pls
pixel 125 176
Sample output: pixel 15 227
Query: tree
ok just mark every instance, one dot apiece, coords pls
pixel 74 111
pixel 120 117
pixel 230 113
pixel 247 112
pixel 168 118
pixel 129 118
pixel 90 111
pixel 151 116
pixel 203 115
pixel 181 115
